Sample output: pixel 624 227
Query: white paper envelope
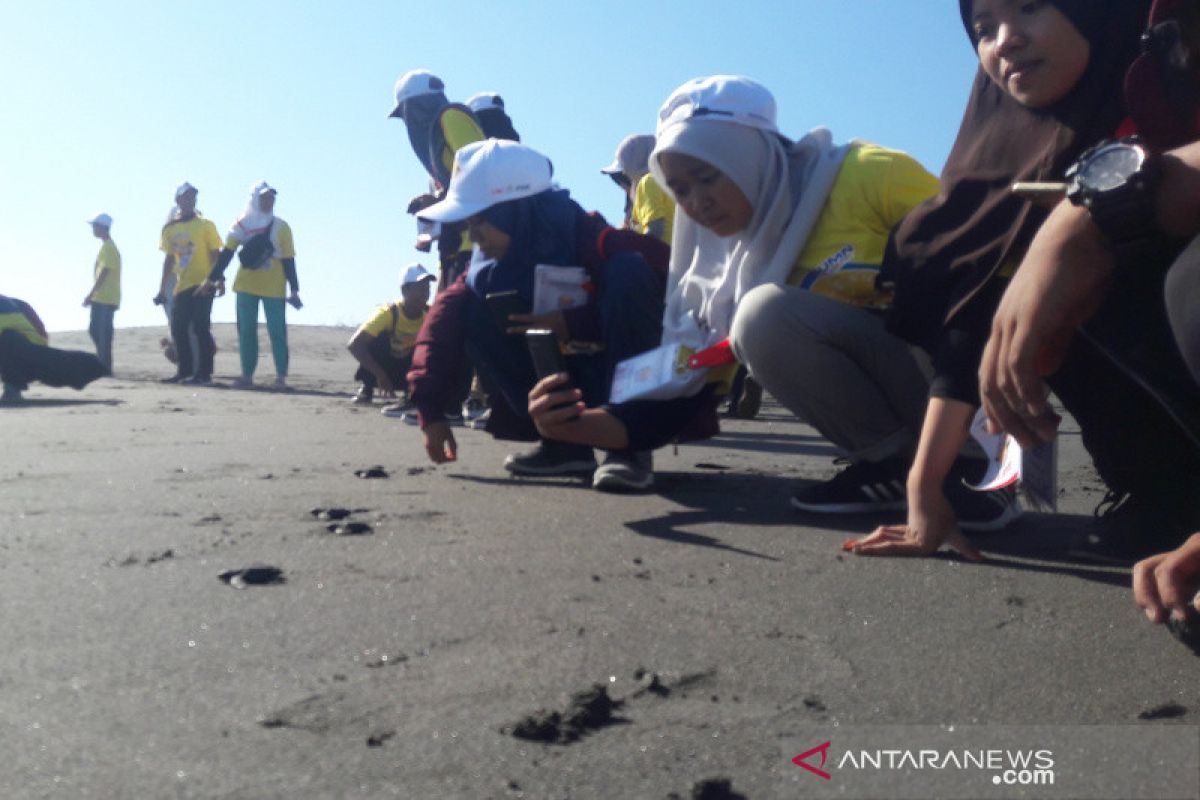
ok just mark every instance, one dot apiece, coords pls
pixel 556 288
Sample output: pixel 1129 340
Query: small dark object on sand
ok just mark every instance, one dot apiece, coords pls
pixel 588 710
pixel 1186 630
pixel 715 789
pixel 331 513
pixel 253 576
pixel 350 528
pixel 1165 711
pixel 372 472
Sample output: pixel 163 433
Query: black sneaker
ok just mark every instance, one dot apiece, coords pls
pixel 983 511
pixel 1130 527
pixel 173 379
pixel 198 380
pixel 862 487
pixel 979 511
pixel 552 458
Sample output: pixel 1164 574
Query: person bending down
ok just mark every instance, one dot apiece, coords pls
pixel 777 250
pixel 519 222
pixel 25 355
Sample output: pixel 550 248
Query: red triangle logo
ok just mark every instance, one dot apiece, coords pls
pixel 802 760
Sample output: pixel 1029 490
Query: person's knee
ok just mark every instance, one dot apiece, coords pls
pixel 755 331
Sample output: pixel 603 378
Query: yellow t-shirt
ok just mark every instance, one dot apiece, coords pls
pixel 192 243
pixel 402 332
pixel 12 318
pixel 458 129
pixel 874 189
pixel 109 258
pixel 651 203
pixel 269 280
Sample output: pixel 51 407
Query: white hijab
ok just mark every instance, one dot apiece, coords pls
pixel 787 184
pixel 254 220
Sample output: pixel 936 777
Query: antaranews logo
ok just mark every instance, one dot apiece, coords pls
pixel 1008 767
pixel 802 760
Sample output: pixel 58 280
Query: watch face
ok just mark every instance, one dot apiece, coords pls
pixel 1110 168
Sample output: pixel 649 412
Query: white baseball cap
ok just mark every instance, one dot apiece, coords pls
pixel 729 98
pixel 484 101
pixel 490 172
pixel 415 273
pixel 183 189
pixel 415 83
pixel 632 153
pixel 103 220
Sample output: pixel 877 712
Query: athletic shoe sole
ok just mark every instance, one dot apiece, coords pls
pixel 564 468
pixel 617 482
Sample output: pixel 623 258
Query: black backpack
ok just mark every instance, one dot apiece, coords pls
pixel 256 251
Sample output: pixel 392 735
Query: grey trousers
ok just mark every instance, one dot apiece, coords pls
pixel 836 367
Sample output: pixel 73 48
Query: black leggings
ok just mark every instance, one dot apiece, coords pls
pixel 192 312
pixel 1183 305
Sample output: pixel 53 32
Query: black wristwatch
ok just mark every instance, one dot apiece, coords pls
pixel 1116 182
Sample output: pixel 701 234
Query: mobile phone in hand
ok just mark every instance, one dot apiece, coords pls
pixel 505 304
pixel 546 354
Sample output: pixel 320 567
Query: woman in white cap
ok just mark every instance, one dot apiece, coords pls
pixel 776 253
pixel 268 268
pixel 520 222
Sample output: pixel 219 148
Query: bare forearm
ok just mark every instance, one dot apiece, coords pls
pixel 943 434
pixel 103 276
pixel 595 427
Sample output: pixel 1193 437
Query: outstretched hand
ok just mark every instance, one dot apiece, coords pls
pixel 1166 584
pixel 1058 286
pixel 931 524
pixel 439 443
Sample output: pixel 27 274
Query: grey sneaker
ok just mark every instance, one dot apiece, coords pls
pixel 624 472
pixel 405 412
pixel 552 458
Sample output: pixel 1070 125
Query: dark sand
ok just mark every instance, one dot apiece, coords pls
pixel 399 660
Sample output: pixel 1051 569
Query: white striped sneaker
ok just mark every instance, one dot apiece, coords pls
pixel 862 487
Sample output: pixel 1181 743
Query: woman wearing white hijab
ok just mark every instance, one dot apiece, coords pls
pixel 775 250
pixel 268 267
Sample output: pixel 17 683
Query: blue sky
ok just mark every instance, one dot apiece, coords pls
pixel 108 106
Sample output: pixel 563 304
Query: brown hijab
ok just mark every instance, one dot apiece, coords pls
pixel 948 247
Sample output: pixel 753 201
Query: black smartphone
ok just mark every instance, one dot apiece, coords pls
pixel 546 354
pixel 505 304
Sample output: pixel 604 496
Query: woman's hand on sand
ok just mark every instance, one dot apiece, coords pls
pixel 931 524
pixel 1166 584
pixel 554 321
pixel 439 443
pixel 552 407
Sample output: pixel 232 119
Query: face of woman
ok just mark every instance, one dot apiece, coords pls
pixel 266 202
pixel 706 194
pixel 492 241
pixel 1029 49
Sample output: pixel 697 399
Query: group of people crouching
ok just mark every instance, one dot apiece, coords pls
pixel 879 304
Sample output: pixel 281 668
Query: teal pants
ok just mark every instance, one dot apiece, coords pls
pixel 275 311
